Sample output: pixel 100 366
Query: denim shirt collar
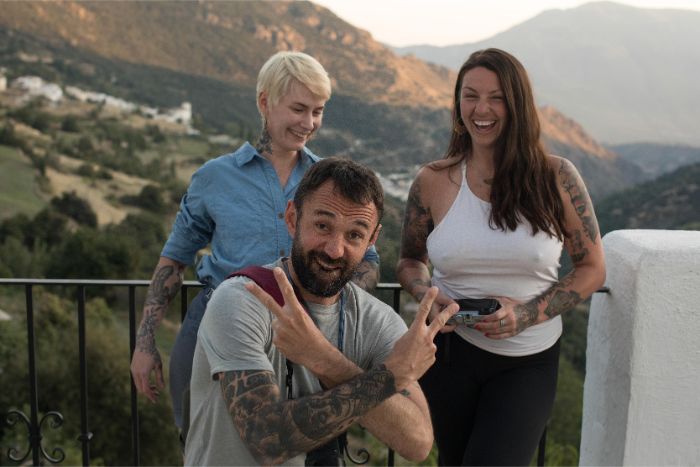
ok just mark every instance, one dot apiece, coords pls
pixel 247 153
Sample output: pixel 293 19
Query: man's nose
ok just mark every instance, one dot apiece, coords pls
pixel 335 247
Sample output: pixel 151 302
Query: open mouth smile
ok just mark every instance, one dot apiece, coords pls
pixel 484 125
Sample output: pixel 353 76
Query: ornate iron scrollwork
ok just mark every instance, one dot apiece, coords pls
pixel 363 453
pixel 55 421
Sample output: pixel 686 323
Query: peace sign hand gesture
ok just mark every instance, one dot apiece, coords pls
pixel 294 332
pixel 414 352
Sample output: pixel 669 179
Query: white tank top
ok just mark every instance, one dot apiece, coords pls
pixel 470 259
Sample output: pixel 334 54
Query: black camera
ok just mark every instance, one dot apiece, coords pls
pixel 473 310
pixel 329 454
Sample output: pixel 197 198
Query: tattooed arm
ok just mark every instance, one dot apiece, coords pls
pixel 412 269
pixel 275 430
pixel 403 421
pixel 583 245
pixel 367 275
pixel 166 282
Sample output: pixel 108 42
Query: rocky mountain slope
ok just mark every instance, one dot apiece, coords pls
pixel 386 111
pixel 627 74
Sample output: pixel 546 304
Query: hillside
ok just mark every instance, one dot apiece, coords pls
pixel 394 130
pixel 657 159
pixel 602 169
pixel 105 157
pixel 626 74
pixel 229 41
pixel 671 201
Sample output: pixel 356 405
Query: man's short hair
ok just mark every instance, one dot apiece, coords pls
pixel 280 70
pixel 352 181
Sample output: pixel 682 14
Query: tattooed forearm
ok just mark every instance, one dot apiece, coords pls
pixel 417 224
pixel 573 185
pixel 164 286
pixel 145 338
pixel 366 275
pixel 276 430
pixel 264 145
pixel 561 301
pixel 559 298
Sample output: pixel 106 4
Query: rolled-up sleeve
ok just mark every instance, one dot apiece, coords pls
pixel 193 225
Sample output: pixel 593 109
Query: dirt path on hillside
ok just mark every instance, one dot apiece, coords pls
pixel 98 193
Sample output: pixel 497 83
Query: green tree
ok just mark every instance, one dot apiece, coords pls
pixel 108 385
pixel 73 206
pixel 91 254
pixel 70 124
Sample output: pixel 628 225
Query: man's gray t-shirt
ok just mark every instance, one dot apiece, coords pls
pixel 235 334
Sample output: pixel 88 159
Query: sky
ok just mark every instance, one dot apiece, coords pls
pixel 447 22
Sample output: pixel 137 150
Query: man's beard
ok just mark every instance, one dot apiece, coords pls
pixel 310 275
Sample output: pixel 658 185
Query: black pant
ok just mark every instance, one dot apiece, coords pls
pixel 488 409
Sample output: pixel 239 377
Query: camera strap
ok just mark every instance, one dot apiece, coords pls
pixel 265 278
pixel 341 327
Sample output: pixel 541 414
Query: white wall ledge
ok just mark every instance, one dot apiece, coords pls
pixel 641 403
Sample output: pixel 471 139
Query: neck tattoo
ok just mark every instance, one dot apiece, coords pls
pixel 264 145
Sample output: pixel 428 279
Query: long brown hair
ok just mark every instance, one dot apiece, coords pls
pixel 524 184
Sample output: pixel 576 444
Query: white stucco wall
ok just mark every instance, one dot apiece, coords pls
pixel 641 402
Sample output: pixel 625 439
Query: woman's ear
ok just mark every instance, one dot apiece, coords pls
pixel 263 102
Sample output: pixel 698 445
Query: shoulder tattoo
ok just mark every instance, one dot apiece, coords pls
pixel 578 195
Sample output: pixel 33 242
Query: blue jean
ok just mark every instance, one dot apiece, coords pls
pixel 183 352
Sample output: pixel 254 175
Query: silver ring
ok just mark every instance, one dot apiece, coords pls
pixel 502 322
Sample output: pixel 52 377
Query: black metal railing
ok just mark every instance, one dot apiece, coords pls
pixel 34 425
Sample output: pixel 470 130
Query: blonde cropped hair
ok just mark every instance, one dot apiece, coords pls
pixel 280 70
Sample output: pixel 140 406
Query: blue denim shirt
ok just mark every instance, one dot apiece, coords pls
pixel 236 204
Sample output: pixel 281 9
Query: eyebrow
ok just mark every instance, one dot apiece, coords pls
pixel 496 91
pixel 324 213
pixel 306 106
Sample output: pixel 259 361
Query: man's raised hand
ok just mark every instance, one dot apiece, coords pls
pixel 414 352
pixel 294 332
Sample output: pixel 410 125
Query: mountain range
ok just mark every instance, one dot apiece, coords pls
pixel 628 75
pixel 387 111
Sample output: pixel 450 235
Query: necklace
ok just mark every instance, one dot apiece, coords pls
pixel 480 178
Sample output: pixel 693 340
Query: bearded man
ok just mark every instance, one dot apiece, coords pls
pixel 275 384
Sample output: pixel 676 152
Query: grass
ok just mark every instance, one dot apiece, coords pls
pixel 18 187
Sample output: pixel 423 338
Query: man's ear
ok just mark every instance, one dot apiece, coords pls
pixel 290 218
pixel 375 235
